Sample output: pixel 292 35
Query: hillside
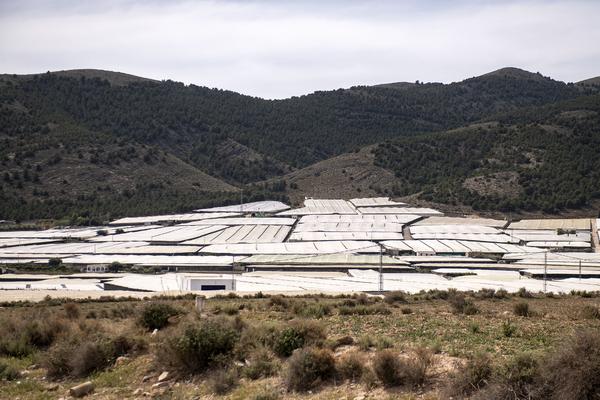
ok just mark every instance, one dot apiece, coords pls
pixel 590 82
pixel 537 159
pixel 128 144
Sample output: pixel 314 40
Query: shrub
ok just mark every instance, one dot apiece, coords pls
pixel 406 310
pixel 418 365
pixel 342 341
pixel 365 342
pixel 57 360
pixel 266 394
pixel 279 303
pixel 156 315
pixel 19 338
pixel 524 293
pixel 308 368
pixel 508 329
pixel 261 364
pixel 521 309
pixel 590 312
pixel 223 381
pixel 384 342
pixel 394 297
pixel 8 372
pixel 461 305
pixel 200 345
pixel 350 366
pixel 573 371
pixel 364 310
pixel 298 334
pixel 256 336
pixel 228 309
pixel 389 368
pixel 311 310
pixel 72 310
pixel 87 358
pixel 516 380
pixel 470 377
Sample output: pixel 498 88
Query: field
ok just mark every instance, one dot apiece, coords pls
pixel 424 346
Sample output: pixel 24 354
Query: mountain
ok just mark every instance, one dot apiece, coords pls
pixel 590 82
pixel 125 144
pixel 516 73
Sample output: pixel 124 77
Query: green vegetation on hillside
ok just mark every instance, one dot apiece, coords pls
pixel 75 144
pixel 541 158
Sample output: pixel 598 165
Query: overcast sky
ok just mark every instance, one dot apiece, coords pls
pixel 277 48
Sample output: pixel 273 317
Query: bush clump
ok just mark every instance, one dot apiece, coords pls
pixel 308 368
pixel 508 329
pixel 8 372
pixel 351 365
pixel 76 357
pixel 461 305
pixel 371 309
pixel 573 371
pixel 590 312
pixel 71 310
pixel 389 368
pixel 315 310
pixel 224 381
pixel 200 345
pixel 156 315
pixel 521 309
pixel 19 338
pixel 261 364
pixel 297 334
pixel 396 296
pixel 470 377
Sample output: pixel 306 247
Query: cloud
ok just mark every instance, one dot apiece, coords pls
pixel 277 49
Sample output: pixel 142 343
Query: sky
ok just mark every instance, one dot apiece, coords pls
pixel 279 48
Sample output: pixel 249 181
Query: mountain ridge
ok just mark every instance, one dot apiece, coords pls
pixel 232 141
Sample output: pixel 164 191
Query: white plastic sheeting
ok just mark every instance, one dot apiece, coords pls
pixel 453 228
pixel 244 221
pixel 560 245
pixel 367 227
pixel 254 207
pixel 350 235
pixel 67 233
pixel 158 260
pixel 495 223
pixel 167 234
pixel 359 218
pixel 323 206
pixel 399 210
pixel 475 237
pixel 24 241
pixel 245 234
pixel 576 223
pixel 155 219
pixel 70 248
pixel 375 202
pixel 456 246
pixel 293 248
pixel 548 235
pixel 323 259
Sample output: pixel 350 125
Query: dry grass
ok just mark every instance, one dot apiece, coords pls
pixel 262 324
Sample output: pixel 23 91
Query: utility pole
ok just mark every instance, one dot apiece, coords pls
pixel 579 269
pixel 380 267
pixel 545 269
pixel 233 274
